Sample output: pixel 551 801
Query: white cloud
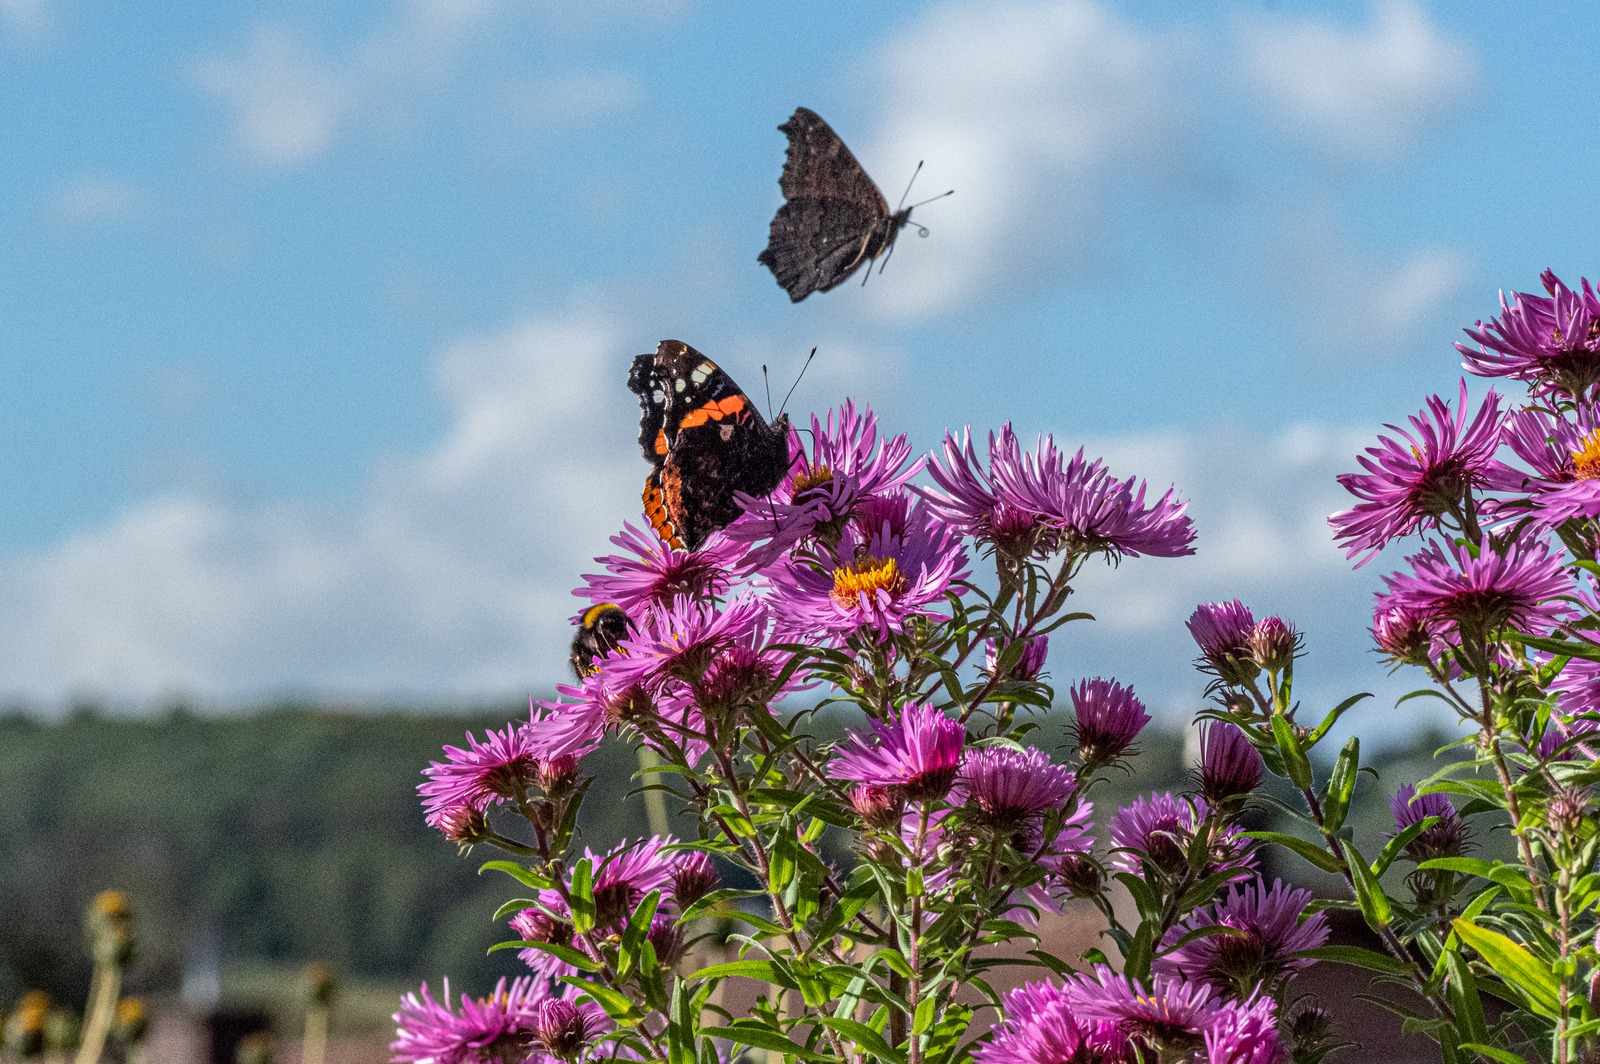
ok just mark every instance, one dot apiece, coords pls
pixel 1346 295
pixel 289 102
pixel 25 19
pixel 1363 93
pixel 1030 110
pixel 574 99
pixel 448 575
pixel 94 199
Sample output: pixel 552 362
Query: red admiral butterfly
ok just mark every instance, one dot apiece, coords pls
pixel 600 629
pixel 833 217
pixel 705 441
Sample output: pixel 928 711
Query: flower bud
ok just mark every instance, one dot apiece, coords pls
pixel 693 877
pixel 1274 644
pixel 666 937
pixel 562 1028
pixel 556 776
pixel 1108 717
pixel 1404 637
pixel 462 824
pixel 536 926
pixel 1027 667
pixel 1079 876
pixel 1566 810
pixel 878 807
pixel 1230 765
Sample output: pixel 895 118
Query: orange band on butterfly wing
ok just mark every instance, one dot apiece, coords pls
pixel 716 411
pixel 655 511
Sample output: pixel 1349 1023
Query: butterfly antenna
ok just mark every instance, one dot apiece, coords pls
pixel 907 192
pixel 766 383
pixel 940 196
pixel 797 380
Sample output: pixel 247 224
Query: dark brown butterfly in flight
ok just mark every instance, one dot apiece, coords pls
pixel 833 217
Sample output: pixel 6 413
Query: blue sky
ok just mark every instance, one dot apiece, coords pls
pixel 317 316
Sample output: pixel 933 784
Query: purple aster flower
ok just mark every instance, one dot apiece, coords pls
pixel 847 465
pixel 483 774
pixel 1424 475
pixel 1516 586
pixel 1552 343
pixel 1108 717
pixel 881 581
pixel 1447 838
pixel 1270 932
pixel 573 724
pixel 1041 1027
pixel 1245 1033
pixel 1009 787
pixel 1154 834
pixel 1222 631
pixel 652 574
pixel 1090 511
pixel 1565 460
pixel 1168 1014
pixel 1028 666
pixel 1564 740
pixel 497 1029
pixel 682 641
pixel 625 875
pixel 1230 765
pixel 535 925
pixel 917 753
pixel 972 502
pixel 878 807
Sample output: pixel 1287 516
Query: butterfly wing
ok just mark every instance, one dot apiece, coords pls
pixel 833 217
pixel 707 442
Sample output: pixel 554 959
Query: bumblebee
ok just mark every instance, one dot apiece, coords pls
pixel 600 629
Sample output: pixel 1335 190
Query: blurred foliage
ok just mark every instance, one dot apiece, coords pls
pixel 295 834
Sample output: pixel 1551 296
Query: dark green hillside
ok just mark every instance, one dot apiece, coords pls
pixel 290 835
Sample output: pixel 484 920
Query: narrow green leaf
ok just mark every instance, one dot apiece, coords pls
pixel 616 1004
pixel 1360 958
pixel 633 934
pixel 564 953
pixel 515 871
pixel 1311 851
pixel 766 1038
pixel 583 896
pixel 864 1037
pixel 767 971
pixel 1369 893
pixel 1512 962
pixel 1333 715
pixel 1502 1055
pixel 1341 786
pixel 1295 765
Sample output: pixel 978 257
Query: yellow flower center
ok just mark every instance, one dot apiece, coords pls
pixel 866 574
pixel 1586 459
pixel 811 479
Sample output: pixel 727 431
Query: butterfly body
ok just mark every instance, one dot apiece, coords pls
pixel 705 442
pixel 833 217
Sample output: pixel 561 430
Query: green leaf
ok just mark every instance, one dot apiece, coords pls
pixel 752 1034
pixel 1341 786
pixel 515 871
pixel 564 953
pixel 1512 962
pixel 766 971
pixel 1397 845
pixel 1502 1055
pixel 616 1004
pixel 1465 1000
pixel 922 1019
pixel 1309 850
pixel 1333 715
pixel 1369 893
pixel 633 934
pixel 1358 957
pixel 1295 765
pixel 583 896
pixel 864 1037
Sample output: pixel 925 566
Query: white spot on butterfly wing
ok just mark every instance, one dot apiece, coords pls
pixel 679 385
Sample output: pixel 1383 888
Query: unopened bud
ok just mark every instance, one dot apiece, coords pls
pixel 666 937
pixel 1274 644
pixel 693 877
pixel 1080 876
pixel 878 807
pixel 562 1028
pixel 556 776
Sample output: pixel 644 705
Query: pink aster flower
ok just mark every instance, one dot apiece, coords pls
pixel 847 465
pixel 1168 1013
pixel 536 925
pixel 621 880
pixel 1517 586
pixel 1028 666
pixel 563 1028
pixel 1008 787
pixel 1245 1033
pixel 1223 632
pixel 651 574
pixel 1108 717
pixel 1415 478
pixel 482 775
pixel 1041 1027
pixel 918 752
pixel 1154 833
pixel 1564 458
pixel 1269 932
pixel 881 581
pixel 1551 342
pixel 682 641
pixel 1405 636
pixel 1090 511
pixel 492 1029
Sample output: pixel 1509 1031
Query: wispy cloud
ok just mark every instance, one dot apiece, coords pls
pixel 27 20
pixel 1365 93
pixel 1030 110
pixel 89 200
